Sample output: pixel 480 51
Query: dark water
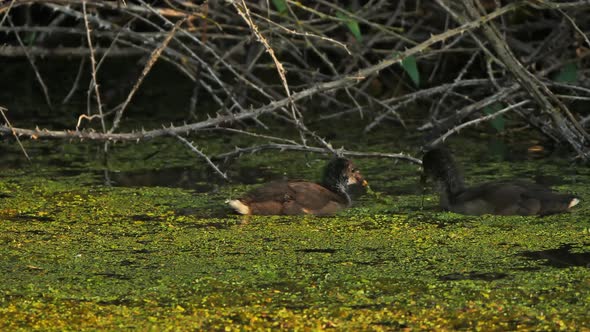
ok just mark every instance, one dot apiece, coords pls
pixel 486 276
pixel 561 257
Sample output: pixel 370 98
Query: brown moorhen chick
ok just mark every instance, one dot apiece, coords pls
pixel 302 197
pixel 513 197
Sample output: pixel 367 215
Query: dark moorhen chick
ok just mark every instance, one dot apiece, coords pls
pixel 302 197
pixel 513 197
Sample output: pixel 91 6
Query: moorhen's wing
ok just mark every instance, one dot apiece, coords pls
pixel 313 196
pixel 502 197
pixel 279 191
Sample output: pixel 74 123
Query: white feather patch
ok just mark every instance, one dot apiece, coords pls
pixel 240 207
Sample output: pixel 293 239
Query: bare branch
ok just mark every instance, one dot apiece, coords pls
pixel 304 148
pixel 2 110
pixel 474 122
pixel 201 154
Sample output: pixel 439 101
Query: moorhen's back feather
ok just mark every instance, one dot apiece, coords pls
pixel 302 197
pixel 515 197
pixel 291 197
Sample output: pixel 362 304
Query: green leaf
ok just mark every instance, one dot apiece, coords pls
pixel 498 149
pixel 410 66
pixel 497 122
pixel 352 25
pixel 280 5
pixel 30 38
pixel 568 74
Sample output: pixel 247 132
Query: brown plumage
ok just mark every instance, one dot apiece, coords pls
pixel 303 197
pixel 514 197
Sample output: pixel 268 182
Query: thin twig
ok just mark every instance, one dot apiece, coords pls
pixel 305 148
pixel 7 12
pixel 148 66
pixel 244 12
pixel 201 154
pixel 76 82
pixel 456 129
pixel 576 27
pixel 94 82
pixel 2 110
pixel 32 62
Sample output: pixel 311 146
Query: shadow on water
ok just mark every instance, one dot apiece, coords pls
pixel 221 210
pixel 391 324
pixel 29 218
pixel 143 217
pixel 199 180
pixel 318 250
pixel 209 222
pixel 176 177
pixel 485 276
pixel 117 276
pixel 117 302
pixel 561 257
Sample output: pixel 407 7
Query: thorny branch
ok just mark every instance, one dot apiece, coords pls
pixel 200 154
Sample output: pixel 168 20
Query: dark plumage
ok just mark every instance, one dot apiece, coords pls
pixel 513 197
pixel 303 197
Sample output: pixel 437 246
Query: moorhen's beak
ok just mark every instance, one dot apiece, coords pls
pixel 365 183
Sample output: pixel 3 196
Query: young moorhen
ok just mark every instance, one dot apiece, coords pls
pixel 513 197
pixel 302 197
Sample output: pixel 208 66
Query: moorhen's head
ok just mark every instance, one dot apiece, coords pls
pixel 438 164
pixel 340 173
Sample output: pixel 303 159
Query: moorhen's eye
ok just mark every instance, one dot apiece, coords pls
pixel 354 170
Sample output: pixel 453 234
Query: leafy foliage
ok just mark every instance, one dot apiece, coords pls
pixel 352 25
pixel 567 74
pixel 498 122
pixel 280 5
pixel 410 66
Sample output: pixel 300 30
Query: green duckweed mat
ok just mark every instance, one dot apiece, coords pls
pixel 78 255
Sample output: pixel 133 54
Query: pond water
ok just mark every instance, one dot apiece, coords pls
pixel 158 249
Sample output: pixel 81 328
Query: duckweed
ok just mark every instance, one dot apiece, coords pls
pixel 79 255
